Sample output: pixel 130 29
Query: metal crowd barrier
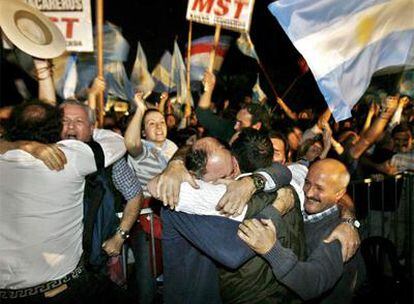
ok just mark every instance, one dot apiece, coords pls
pixel 385 207
pixel 124 253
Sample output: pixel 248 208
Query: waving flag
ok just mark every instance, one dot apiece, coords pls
pixel 117 82
pixel 140 78
pixel 406 86
pixel 200 55
pixel 258 94
pixel 345 41
pixel 66 85
pixel 246 46
pixel 162 76
pixel 116 50
pixel 178 73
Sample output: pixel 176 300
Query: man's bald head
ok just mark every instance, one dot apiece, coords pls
pixel 335 171
pixel 325 185
pixel 210 160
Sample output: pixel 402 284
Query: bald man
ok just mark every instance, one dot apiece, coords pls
pixel 324 270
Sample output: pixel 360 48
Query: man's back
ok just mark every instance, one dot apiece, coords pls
pixel 41 215
pixel 254 282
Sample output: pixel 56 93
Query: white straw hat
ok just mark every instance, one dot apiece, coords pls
pixel 30 30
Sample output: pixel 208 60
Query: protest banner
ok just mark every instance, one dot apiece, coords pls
pixel 73 18
pixel 233 15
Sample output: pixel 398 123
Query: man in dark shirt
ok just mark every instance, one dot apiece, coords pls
pixel 324 271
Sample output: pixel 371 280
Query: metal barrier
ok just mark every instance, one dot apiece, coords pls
pixel 385 207
pixel 124 253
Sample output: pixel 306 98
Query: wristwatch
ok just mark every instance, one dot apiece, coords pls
pixel 352 221
pixel 123 233
pixel 258 181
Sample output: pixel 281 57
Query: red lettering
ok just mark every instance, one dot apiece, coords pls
pixel 69 26
pixel 202 4
pixel 223 4
pixel 240 4
pixel 54 19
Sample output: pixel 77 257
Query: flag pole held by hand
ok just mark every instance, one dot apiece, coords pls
pixel 213 50
pixel 99 46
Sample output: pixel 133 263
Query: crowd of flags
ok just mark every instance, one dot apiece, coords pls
pixel 342 45
pixel 169 75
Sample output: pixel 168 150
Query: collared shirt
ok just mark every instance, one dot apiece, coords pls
pixel 41 211
pixel 125 180
pixel 151 161
pixel 313 218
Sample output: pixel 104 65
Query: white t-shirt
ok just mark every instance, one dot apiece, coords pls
pixel 41 211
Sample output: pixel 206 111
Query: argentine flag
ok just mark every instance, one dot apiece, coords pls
pixel 345 41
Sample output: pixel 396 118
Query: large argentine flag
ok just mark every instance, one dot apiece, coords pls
pixel 346 41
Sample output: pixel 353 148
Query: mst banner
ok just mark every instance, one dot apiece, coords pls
pixel 230 14
pixel 73 18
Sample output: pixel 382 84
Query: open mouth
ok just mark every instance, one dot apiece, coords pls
pixel 71 136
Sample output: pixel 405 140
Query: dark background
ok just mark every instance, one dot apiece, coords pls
pixel 156 23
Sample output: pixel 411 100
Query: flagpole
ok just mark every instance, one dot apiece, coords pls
pixel 291 85
pixel 213 50
pixel 187 102
pixel 99 46
pixel 190 34
pixel 268 79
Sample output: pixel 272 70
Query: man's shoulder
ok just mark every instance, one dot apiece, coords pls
pixel 74 146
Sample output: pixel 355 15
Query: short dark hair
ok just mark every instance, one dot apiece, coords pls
pixel 401 128
pixel 259 114
pixel 196 162
pixel 253 150
pixel 34 120
pixel 282 137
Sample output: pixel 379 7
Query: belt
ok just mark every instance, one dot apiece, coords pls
pixel 47 288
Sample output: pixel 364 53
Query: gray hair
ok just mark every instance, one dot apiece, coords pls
pixel 90 112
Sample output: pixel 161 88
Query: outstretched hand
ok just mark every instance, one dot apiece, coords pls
pixel 49 154
pixel 98 86
pixel 237 195
pixel 259 235
pixel 140 102
pixel 166 186
pixel 348 237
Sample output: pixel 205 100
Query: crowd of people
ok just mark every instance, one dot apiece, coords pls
pixel 249 202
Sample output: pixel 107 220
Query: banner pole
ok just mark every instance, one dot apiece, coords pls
pixel 213 50
pixel 100 46
pixel 187 102
pixel 190 34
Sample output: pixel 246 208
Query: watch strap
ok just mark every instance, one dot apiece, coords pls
pixel 123 233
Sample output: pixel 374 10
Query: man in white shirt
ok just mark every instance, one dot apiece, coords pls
pixel 41 213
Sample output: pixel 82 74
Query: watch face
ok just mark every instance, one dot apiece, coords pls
pixel 258 181
pixel 357 224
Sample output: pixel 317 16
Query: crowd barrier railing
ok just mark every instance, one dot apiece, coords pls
pixel 385 207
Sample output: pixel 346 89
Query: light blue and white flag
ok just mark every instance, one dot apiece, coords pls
pixel 246 46
pixel 345 41
pixel 141 78
pixel 162 76
pixel 66 86
pixel 257 93
pixel 179 75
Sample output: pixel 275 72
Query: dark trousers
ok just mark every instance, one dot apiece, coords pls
pixel 146 282
pixel 88 288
